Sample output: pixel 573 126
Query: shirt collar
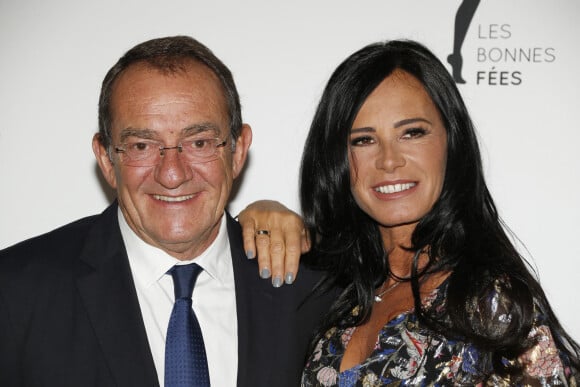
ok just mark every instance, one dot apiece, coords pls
pixel 149 264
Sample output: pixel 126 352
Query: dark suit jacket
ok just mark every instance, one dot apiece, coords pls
pixel 69 314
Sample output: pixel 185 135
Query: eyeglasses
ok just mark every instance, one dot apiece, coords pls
pixel 146 153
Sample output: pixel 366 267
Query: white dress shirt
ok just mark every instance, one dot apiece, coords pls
pixel 214 300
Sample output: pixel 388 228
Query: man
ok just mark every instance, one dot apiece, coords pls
pixel 89 304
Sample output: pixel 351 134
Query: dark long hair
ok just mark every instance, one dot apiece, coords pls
pixel 462 232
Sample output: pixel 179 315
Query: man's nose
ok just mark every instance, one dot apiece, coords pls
pixel 172 170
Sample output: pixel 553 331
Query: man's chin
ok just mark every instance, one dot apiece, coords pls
pixel 182 244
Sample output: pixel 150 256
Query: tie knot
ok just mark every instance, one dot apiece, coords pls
pixel 184 277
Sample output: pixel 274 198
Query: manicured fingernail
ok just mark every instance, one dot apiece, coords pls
pixel 265 273
pixel 277 282
pixel 289 278
pixel 250 254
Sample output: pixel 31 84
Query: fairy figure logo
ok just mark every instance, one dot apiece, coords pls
pixel 463 18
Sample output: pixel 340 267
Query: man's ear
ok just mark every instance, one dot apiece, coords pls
pixel 104 161
pixel 241 153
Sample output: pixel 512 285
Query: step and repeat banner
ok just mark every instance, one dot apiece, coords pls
pixel 515 62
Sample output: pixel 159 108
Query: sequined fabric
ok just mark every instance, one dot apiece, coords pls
pixel 407 355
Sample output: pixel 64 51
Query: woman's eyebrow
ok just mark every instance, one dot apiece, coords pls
pixel 366 129
pixel 410 121
pixel 398 124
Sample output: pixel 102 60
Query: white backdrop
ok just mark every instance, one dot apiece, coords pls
pixel 53 56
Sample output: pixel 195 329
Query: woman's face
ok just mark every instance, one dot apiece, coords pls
pixel 398 152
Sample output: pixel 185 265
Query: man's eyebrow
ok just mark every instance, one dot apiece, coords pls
pixel 201 128
pixel 147 134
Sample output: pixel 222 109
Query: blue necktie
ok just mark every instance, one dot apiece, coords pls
pixel 185 360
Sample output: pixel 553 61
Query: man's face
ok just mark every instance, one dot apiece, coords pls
pixel 174 205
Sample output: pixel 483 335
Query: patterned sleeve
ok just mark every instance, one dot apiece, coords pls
pixel 543 363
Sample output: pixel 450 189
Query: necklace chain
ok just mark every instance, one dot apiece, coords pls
pixel 379 297
pixel 397 279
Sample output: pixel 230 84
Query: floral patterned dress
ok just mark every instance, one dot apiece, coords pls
pixel 407 355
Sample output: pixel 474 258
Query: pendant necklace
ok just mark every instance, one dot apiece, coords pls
pixel 379 297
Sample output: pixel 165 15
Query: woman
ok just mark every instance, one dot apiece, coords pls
pixel 393 193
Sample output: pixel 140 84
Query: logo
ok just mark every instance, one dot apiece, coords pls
pixel 504 52
pixel 463 19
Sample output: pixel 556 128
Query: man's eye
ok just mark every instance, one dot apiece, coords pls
pixel 362 141
pixel 139 146
pixel 201 143
pixel 414 133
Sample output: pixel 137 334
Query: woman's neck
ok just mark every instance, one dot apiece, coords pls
pixel 397 241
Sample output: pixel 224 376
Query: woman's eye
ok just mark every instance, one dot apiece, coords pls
pixel 414 133
pixel 362 141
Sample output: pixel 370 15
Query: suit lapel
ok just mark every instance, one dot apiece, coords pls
pixel 254 298
pixel 110 298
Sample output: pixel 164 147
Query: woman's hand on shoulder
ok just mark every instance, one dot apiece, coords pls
pixel 277 237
